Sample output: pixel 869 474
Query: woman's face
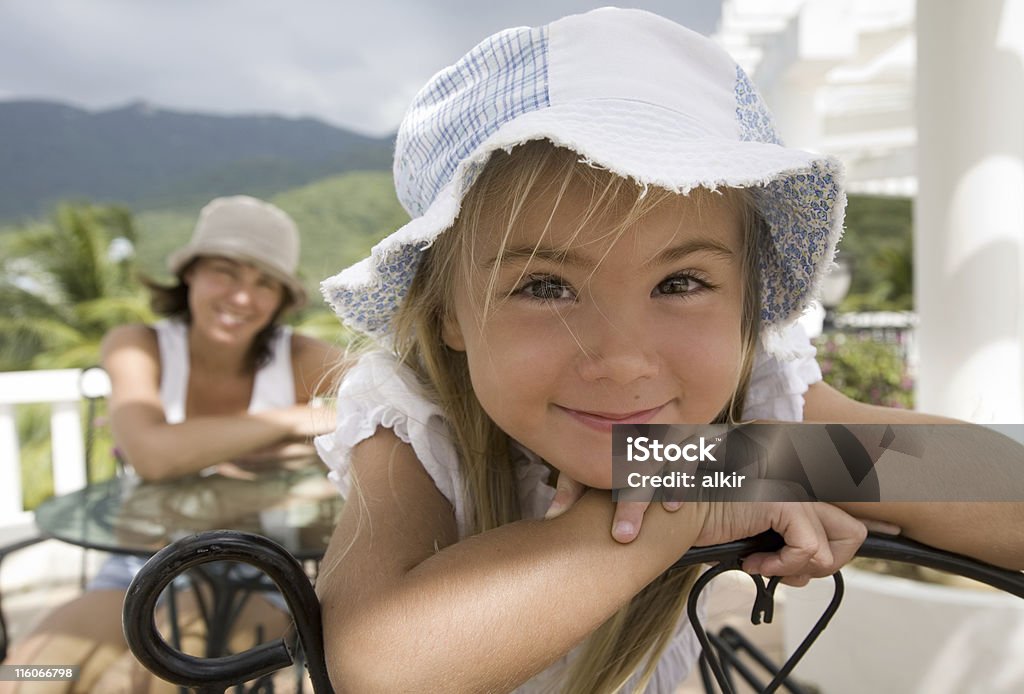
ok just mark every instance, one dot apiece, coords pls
pixel 231 301
pixel 588 328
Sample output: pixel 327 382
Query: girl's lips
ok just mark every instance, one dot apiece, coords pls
pixel 603 421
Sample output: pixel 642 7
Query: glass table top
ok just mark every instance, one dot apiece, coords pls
pixel 294 505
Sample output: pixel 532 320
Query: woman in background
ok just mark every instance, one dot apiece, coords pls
pixel 218 379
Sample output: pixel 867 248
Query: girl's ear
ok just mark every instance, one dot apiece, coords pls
pixel 451 333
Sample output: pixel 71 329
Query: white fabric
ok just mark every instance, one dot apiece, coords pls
pixel 274 385
pixel 377 392
pixel 589 59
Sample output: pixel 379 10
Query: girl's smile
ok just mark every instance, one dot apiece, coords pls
pixel 573 322
pixel 603 421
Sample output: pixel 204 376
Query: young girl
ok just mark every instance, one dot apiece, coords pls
pixel 605 231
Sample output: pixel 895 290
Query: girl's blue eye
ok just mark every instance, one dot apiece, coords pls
pixel 546 289
pixel 681 284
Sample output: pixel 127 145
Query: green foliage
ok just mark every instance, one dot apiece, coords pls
pixel 62 287
pixel 865 370
pixel 34 441
pixel 878 243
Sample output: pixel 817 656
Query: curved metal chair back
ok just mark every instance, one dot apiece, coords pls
pixel 216 674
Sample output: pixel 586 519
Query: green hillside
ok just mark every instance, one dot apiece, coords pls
pixel 145 157
pixel 340 218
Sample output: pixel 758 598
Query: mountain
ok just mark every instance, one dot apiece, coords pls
pixel 149 157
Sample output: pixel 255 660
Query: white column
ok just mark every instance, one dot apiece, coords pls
pixel 10 466
pixel 969 213
pixel 67 448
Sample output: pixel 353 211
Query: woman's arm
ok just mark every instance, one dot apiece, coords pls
pixel 316 367
pixel 406 607
pixel 158 450
pixel 990 531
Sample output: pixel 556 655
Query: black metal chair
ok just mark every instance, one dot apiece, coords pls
pixel 719 659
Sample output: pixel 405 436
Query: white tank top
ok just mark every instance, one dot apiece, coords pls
pixel 274 385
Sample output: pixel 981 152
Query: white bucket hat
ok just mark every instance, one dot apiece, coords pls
pixel 628 91
pixel 248 230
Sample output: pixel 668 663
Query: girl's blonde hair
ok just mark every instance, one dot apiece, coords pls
pixel 634 638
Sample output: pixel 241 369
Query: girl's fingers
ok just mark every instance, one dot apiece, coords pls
pixel 567 492
pixel 877 526
pixel 845 535
pixel 801 536
pixel 629 516
pixel 820 539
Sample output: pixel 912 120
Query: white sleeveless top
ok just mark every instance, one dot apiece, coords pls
pixel 377 391
pixel 274 385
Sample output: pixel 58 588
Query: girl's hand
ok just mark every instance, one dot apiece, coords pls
pixel 629 515
pixel 820 538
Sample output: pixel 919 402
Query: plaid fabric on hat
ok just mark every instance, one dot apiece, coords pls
pixel 502 78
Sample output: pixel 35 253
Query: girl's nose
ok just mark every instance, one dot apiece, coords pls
pixel 617 348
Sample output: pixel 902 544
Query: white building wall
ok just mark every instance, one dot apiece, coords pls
pixel 969 234
pixel 935 101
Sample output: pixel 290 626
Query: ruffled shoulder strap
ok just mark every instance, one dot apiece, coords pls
pixel 778 384
pixel 379 392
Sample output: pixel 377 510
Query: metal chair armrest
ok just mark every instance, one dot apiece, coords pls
pixel 216 674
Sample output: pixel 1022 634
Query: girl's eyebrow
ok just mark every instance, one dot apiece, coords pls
pixel 565 256
pixel 521 254
pixel 704 244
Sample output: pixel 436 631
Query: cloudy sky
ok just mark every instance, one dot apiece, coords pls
pixel 353 64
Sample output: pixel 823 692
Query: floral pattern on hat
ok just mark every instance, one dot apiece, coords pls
pixel 755 120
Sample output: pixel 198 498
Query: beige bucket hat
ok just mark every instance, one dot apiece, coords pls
pixel 249 230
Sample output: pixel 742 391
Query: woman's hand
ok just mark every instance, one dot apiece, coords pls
pixel 303 421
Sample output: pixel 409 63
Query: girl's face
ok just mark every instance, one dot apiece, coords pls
pixel 230 301
pixel 588 328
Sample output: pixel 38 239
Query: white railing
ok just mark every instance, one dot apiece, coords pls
pixel 63 390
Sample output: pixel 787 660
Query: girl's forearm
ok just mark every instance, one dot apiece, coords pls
pixel 487 613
